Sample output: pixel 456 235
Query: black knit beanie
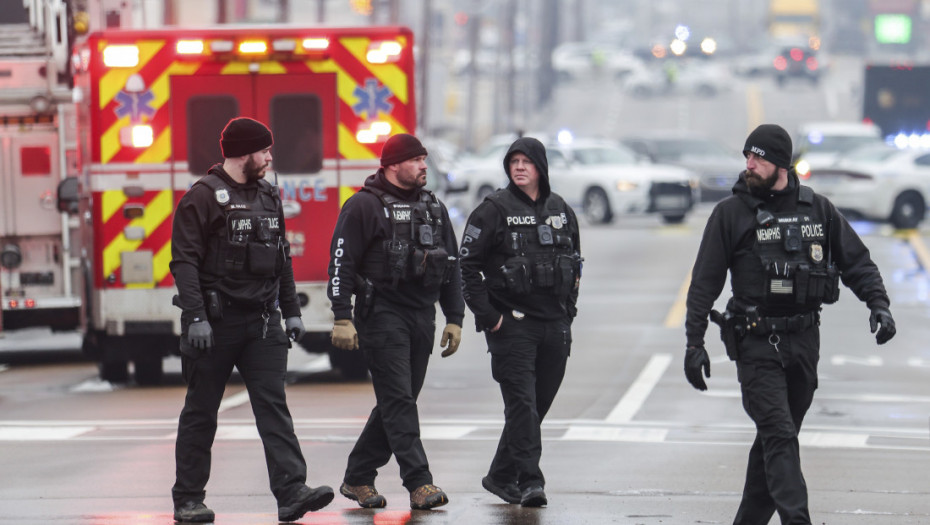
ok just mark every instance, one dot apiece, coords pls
pixel 401 147
pixel 772 143
pixel 244 136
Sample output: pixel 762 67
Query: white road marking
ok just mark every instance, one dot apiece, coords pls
pixel 872 360
pixel 234 400
pixel 42 433
pixel 446 431
pixel 827 396
pixel 636 435
pixel 634 398
pixel 832 440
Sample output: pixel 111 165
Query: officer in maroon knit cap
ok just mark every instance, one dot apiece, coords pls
pixel 393 248
pixel 231 263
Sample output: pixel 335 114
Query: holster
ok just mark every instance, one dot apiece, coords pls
pixel 364 297
pixel 732 330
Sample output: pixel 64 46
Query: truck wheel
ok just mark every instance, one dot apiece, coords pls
pixel 673 219
pixel 114 370
pixel 350 363
pixel 909 209
pixel 483 192
pixel 596 206
pixel 149 370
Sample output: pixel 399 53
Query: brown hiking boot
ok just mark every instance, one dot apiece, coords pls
pixel 366 495
pixel 427 497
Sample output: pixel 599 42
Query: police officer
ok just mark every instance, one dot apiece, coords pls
pixel 394 249
pixel 521 264
pixel 787 249
pixel 232 267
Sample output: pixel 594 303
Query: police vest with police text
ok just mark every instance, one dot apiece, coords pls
pixel 794 252
pixel 540 255
pixel 415 251
pixel 250 242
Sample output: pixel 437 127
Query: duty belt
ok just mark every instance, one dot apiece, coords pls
pixel 792 324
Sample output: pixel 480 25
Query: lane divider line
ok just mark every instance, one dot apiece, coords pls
pixel 676 314
pixel 920 249
pixel 636 395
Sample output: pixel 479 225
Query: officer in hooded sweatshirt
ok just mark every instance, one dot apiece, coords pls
pixel 231 263
pixel 393 248
pixel 787 249
pixel 521 264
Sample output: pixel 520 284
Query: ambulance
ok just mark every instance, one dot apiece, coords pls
pixel 150 106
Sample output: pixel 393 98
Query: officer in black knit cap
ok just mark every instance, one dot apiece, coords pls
pixel 787 250
pixel 232 267
pixel 393 248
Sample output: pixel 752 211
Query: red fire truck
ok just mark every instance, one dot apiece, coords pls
pixel 150 108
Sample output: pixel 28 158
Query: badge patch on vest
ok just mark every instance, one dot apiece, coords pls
pixel 555 221
pixel 816 252
pixel 222 196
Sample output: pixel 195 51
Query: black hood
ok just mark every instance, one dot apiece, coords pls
pixel 536 152
pixel 379 180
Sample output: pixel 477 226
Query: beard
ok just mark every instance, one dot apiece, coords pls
pixel 414 180
pixel 253 171
pixel 757 185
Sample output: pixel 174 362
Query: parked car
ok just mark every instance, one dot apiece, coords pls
pixel 574 60
pixel 878 182
pixel 600 179
pixel 605 179
pixel 716 166
pixel 820 144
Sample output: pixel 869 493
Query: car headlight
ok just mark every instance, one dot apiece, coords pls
pixel 625 185
pixel 803 169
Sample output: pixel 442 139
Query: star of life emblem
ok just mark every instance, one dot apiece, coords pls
pixel 222 196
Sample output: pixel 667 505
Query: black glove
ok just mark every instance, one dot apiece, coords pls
pixel 200 335
pixel 294 328
pixel 882 316
pixel 695 359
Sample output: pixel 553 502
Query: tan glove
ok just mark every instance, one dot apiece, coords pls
pixel 451 335
pixel 344 335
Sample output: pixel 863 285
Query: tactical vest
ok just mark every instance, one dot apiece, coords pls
pixel 251 240
pixel 794 252
pixel 415 251
pixel 540 255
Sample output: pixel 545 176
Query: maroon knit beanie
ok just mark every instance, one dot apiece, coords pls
pixel 401 147
pixel 244 136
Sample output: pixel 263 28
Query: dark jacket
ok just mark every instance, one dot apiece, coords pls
pixel 728 242
pixel 197 218
pixel 358 239
pixel 484 248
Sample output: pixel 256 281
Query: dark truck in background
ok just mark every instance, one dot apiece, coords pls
pixel 896 98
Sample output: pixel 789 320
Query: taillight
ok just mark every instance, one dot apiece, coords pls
pixel 780 63
pixel 811 63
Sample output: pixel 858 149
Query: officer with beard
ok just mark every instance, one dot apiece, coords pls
pixel 521 265
pixel 394 249
pixel 232 266
pixel 786 249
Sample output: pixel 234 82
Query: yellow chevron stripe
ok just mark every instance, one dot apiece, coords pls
pixel 109 141
pixel 160 264
pixel 114 80
pixel 110 202
pixel 161 86
pixel 344 193
pixel 349 148
pixel 157 211
pixel 159 151
pixel 389 74
pixel 326 66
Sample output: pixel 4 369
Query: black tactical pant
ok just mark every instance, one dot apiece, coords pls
pixel 778 376
pixel 528 359
pixel 262 363
pixel 397 343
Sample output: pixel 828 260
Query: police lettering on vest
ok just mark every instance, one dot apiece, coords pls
pixel 541 257
pixel 796 269
pixel 251 242
pixel 414 252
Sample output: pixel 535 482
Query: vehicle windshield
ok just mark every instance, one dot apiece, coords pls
pixel 596 155
pixel 837 143
pixel 880 154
